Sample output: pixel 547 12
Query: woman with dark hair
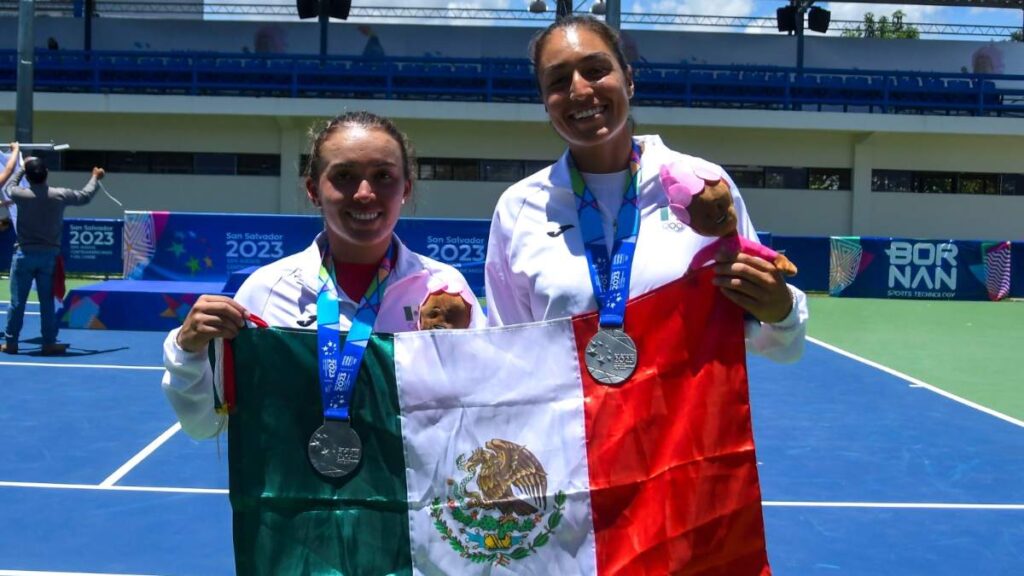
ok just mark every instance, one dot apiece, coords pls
pixel 360 174
pixel 606 189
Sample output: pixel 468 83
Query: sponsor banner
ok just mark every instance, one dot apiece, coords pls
pixel 92 246
pixel 922 269
pixel 206 247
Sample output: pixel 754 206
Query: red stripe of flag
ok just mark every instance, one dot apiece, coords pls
pixel 673 474
pixel 59 285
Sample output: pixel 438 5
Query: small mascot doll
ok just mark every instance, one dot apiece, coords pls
pixel 446 306
pixel 700 197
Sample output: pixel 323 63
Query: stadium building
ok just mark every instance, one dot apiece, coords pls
pixel 869 137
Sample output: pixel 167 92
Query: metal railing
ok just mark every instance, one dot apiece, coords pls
pixel 512 80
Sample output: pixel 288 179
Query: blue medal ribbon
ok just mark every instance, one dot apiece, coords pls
pixel 609 276
pixel 339 367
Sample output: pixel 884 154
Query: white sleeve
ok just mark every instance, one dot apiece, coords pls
pixel 782 341
pixel 505 304
pixel 188 384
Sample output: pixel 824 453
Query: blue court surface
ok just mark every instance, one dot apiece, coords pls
pixel 863 472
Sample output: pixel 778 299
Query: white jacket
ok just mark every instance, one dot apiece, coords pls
pixel 284 293
pixel 536 270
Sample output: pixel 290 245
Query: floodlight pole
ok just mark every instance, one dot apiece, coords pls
pixel 87 15
pixel 325 18
pixel 26 57
pixel 613 14
pixel 801 10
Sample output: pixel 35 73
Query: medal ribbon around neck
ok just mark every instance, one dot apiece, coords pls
pixel 339 368
pixel 610 276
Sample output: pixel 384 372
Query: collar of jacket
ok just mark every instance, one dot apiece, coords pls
pixel 654 155
pixel 308 273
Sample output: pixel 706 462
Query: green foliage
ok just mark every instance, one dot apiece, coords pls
pixel 885 27
pixel 1017 36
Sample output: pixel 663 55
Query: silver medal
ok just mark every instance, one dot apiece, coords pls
pixel 610 356
pixel 335 449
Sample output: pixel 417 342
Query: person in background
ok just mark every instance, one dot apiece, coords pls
pixel 38 229
pixel 536 268
pixel 360 174
pixel 5 202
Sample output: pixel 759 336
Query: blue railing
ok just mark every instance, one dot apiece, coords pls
pixel 511 80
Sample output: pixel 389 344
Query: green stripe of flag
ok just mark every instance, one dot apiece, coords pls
pixel 273 486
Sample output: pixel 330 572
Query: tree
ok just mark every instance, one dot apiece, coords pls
pixel 1017 36
pixel 884 27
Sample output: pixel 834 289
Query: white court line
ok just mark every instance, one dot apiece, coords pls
pixel 904 505
pixel 35 573
pixel 58 365
pixel 766 503
pixel 26 314
pixel 158 489
pixel 918 383
pixel 135 460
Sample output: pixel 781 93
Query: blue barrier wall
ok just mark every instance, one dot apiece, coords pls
pixel 198 247
pixel 92 246
pixel 89 246
pixel 1017 278
pixel 811 256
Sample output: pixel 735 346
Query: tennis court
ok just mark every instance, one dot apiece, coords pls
pixel 895 446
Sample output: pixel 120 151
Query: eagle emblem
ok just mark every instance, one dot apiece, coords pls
pixel 498 511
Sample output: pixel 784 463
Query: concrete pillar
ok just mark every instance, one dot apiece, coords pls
pixel 291 200
pixel 860 205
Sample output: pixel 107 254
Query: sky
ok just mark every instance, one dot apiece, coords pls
pixel 754 8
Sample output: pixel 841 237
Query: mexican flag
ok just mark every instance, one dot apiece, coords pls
pixel 494 451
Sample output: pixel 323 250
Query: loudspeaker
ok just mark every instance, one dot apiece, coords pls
pixel 339 9
pixel 785 18
pixel 335 8
pixel 308 8
pixel 818 19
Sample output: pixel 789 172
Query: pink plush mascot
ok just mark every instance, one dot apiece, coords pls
pixel 699 196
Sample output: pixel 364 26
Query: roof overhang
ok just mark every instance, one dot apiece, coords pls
pixel 961 3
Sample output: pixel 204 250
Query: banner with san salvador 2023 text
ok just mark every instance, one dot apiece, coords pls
pixel 209 247
pixel 913 268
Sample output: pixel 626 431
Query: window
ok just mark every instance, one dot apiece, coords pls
pixel 214 163
pixel 793 178
pixel 426 169
pixel 170 163
pixel 83 160
pixel 934 183
pixel 259 165
pixel 1011 184
pixel 892 181
pixel 465 170
pixel 978 184
pixel 137 162
pixel 828 179
pixel 947 182
pixel 503 170
pixel 442 170
pixel 746 176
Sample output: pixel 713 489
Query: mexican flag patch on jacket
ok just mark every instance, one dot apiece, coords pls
pixel 495 452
